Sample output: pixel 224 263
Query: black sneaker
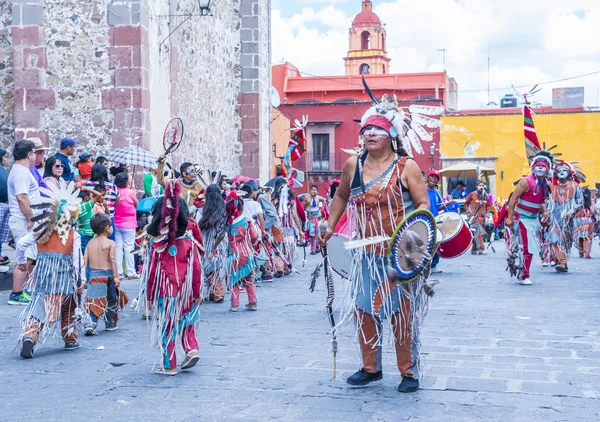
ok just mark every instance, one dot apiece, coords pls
pixel 72 346
pixel 279 274
pixel 561 268
pixel 267 278
pixel 363 377
pixel 408 385
pixel 27 348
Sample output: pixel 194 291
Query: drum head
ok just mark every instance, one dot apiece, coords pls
pixel 413 244
pixel 450 224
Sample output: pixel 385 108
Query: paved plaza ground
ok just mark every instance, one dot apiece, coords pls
pixel 493 350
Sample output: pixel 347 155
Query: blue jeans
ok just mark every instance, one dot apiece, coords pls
pixel 435 260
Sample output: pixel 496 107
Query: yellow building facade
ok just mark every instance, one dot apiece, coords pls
pixel 497 141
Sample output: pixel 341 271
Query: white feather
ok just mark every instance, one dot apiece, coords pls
pixel 355 244
pixel 406 145
pixel 427 110
pixel 426 121
pixel 421 132
pixel 415 141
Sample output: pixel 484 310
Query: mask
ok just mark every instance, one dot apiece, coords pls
pixel 480 188
pixel 562 173
pixel 540 171
pixel 375 131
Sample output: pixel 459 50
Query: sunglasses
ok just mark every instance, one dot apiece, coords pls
pixel 59 166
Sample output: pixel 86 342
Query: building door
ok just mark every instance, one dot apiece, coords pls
pixel 320 158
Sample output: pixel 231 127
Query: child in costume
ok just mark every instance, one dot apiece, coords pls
pixel 240 260
pixel 174 276
pixel 102 297
pixel 55 277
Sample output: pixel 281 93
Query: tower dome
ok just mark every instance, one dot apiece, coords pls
pixel 366 17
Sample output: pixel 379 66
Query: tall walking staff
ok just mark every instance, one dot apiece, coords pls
pixel 330 294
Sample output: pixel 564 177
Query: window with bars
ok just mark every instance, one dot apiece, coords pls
pixel 320 145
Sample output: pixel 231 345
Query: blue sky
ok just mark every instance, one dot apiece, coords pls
pixel 543 42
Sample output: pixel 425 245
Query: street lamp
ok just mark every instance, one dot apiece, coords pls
pixel 205 6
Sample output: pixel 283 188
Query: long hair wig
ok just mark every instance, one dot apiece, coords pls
pixel 213 213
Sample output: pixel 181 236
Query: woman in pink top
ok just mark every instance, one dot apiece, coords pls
pixel 125 225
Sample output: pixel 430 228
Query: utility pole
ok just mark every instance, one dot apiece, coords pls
pixel 443 50
pixel 488 101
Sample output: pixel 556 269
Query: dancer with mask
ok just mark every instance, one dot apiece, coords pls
pixel 584 225
pixel 525 205
pixel 381 186
pixel 565 201
pixel 478 208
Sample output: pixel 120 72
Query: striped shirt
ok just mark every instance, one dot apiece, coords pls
pixel 111 194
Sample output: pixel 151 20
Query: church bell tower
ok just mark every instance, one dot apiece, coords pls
pixel 367 39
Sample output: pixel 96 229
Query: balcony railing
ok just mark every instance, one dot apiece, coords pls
pixel 317 163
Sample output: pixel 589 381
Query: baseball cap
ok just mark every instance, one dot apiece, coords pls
pixel 38 145
pixel 68 142
pixel 434 173
pixel 84 155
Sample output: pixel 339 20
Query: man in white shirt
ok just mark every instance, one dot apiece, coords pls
pixel 23 191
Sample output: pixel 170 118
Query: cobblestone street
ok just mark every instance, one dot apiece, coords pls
pixel 492 350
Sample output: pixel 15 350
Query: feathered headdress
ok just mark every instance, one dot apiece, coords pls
pixel 60 208
pixel 205 179
pixel 410 127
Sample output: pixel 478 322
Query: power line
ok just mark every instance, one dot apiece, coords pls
pixel 483 89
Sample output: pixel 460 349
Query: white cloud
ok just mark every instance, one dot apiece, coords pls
pixel 529 42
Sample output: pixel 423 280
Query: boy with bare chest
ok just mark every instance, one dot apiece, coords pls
pixel 103 281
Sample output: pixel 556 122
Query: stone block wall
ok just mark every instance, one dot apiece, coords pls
pixel 108 73
pixel 7 105
pixel 254 100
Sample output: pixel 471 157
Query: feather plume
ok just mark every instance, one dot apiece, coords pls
pixel 415 141
pixel 421 132
pixel 352 152
pixel 427 110
pixel 406 145
pixel 368 241
pixel 426 121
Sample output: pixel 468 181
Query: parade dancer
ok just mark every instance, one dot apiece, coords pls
pixel 329 194
pixel 284 201
pixel 525 205
pixel 240 261
pixel 313 204
pixel 174 276
pixel 380 186
pixel 57 274
pixel 213 226
pixel 478 208
pixel 566 200
pixel 102 292
pixel 584 225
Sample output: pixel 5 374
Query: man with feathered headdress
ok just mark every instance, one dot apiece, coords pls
pixel 58 271
pixel 564 202
pixel 524 208
pixel 380 186
pixel 478 208
pixel 174 276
